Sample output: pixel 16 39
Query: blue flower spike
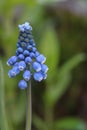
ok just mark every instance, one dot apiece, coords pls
pixel 27 58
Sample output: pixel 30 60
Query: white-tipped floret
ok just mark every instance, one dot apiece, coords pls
pixel 25 26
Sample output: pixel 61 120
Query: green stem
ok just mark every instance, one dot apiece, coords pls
pixel 28 107
pixel 3 118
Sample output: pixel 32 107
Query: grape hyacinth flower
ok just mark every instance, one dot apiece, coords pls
pixel 27 58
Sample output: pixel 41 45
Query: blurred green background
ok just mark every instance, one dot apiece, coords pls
pixel 60 32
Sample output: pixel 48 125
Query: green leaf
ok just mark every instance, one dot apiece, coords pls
pixel 70 124
pixel 53 93
pixel 39 123
pixel 71 64
pixel 18 114
pixel 3 118
pixel 49 46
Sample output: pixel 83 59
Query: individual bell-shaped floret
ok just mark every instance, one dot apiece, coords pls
pixel 38 76
pixel 26 53
pixel 22 84
pixel 21 57
pixel 32 55
pixel 44 68
pixel 12 60
pixel 13 72
pixel 36 66
pixel 28 60
pixel 37 53
pixel 44 76
pixel 27 75
pixel 19 50
pixel 41 58
pixel 22 65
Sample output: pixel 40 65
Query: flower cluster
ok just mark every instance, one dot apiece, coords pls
pixel 27 59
